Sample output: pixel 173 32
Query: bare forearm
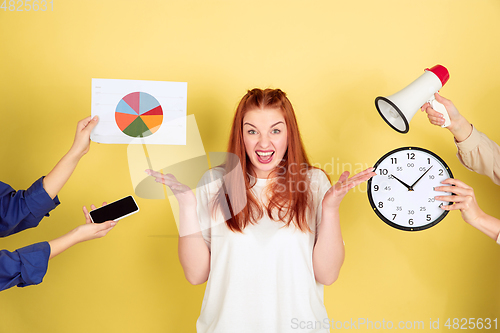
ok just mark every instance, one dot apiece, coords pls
pixel 461 130
pixel 487 224
pixel 59 175
pixel 62 243
pixel 328 254
pixel 80 234
pixel 193 252
pixel 195 258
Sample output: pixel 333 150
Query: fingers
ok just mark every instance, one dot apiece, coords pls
pixel 452 198
pixel 442 100
pixel 87 216
pixel 152 172
pixel 455 206
pixel 363 176
pixel 92 207
pixel 167 179
pixel 346 185
pixel 425 107
pixel 455 190
pixel 344 176
pixel 107 226
pixel 101 229
pixel 456 182
pixel 156 174
pixel 86 212
pixel 87 124
pixel 458 187
pixel 83 123
pixel 435 118
pixel 464 194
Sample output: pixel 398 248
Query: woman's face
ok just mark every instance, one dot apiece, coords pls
pixel 265 137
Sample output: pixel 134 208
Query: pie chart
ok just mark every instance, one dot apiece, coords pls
pixel 139 115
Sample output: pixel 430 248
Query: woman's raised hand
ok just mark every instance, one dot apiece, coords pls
pixel 337 192
pixel 182 192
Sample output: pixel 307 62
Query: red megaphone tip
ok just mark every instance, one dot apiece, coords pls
pixel 441 72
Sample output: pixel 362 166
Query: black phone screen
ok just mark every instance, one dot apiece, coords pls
pixel 114 210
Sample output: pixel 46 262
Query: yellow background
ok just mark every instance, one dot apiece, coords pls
pixel 332 58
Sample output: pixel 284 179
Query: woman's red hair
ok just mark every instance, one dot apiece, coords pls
pixel 289 194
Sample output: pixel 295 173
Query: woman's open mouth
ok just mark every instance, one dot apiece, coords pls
pixel 264 156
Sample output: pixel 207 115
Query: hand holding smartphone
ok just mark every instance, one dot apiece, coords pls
pixel 115 211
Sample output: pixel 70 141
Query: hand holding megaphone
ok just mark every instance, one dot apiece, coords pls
pixel 439 117
pixel 398 109
pixel 442 110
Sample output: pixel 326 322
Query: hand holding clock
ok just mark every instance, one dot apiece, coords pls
pixel 411 207
pixel 465 201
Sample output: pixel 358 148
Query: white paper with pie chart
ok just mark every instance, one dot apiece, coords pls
pixel 139 112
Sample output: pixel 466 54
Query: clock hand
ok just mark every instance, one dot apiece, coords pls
pixel 421 177
pixel 402 182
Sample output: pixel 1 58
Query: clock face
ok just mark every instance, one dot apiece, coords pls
pixel 402 193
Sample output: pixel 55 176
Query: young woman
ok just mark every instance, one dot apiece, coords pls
pixel 267 239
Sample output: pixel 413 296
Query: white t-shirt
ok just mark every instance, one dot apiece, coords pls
pixel 262 280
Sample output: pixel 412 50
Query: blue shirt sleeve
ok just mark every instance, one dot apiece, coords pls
pixel 23 209
pixel 25 266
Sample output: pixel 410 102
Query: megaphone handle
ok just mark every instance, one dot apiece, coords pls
pixel 441 109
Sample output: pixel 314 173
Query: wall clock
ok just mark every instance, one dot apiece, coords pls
pixel 402 193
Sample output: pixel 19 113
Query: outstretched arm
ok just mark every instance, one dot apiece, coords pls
pixel 194 254
pixel 80 234
pixel 28 265
pixel 56 178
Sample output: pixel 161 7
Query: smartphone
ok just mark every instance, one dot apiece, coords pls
pixel 115 210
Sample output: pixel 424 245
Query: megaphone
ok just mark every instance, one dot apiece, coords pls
pixel 397 110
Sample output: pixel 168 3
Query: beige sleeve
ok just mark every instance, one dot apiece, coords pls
pixel 480 154
pixel 498 239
